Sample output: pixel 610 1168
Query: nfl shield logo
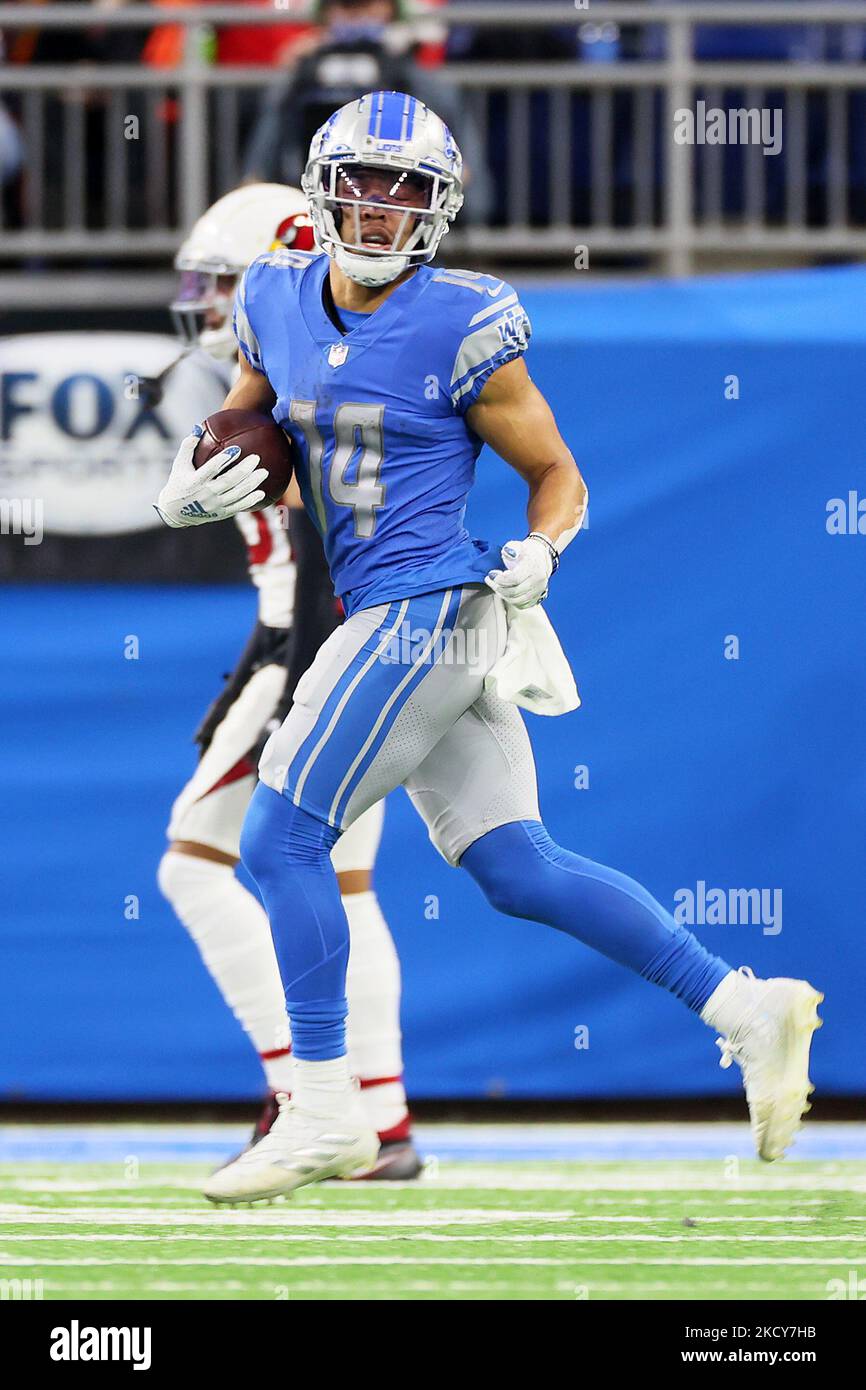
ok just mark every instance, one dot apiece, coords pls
pixel 337 354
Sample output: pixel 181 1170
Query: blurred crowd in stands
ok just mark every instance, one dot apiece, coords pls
pixel 355 45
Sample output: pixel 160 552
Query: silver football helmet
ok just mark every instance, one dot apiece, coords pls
pixel 389 152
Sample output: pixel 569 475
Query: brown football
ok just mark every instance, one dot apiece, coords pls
pixel 253 433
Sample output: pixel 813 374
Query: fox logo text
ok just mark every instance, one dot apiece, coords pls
pixel 80 432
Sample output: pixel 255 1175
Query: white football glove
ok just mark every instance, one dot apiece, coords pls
pixel 192 496
pixel 528 567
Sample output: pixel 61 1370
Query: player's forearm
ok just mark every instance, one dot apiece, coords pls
pixel 512 416
pixel 557 502
pixel 251 391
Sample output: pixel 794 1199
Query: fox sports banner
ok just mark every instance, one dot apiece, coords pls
pixel 81 440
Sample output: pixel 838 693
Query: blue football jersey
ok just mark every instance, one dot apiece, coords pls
pixel 379 415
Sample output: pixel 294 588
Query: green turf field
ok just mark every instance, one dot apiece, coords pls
pixel 707 1229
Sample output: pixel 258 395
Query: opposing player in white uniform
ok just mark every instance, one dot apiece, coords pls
pixel 389 374
pixel 297 610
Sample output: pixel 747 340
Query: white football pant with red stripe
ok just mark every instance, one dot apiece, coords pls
pixel 231 928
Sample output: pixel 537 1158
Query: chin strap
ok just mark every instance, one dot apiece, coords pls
pixel 366 270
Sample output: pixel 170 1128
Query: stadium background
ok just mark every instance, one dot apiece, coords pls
pixel 715 418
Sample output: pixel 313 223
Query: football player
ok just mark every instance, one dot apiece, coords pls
pixel 297 610
pixel 389 374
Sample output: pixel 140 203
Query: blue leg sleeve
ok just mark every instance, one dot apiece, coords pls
pixel 288 853
pixel 523 873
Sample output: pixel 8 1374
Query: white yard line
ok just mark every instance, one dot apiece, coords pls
pixel 287 1218
pixel 706 1177
pixel 139 1191
pixel 642 1179
pixel 283 1216
pixel 430 1131
pixel 311 1261
pixel 526 1238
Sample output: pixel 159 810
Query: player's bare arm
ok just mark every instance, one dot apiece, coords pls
pixel 512 416
pixel 251 391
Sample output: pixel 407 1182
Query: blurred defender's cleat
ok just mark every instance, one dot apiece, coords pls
pixel 300 1148
pixel 398 1161
pixel 771 1043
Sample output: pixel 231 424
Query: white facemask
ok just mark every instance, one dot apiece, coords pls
pixel 219 343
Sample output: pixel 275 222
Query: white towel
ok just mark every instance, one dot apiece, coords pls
pixel 533 671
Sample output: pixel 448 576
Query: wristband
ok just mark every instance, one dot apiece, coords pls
pixel 554 553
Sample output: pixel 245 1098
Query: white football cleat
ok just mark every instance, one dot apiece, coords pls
pixel 299 1148
pixel 771 1044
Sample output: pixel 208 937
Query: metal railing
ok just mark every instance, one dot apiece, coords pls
pixel 120 158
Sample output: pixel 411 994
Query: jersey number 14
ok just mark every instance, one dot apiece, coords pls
pixel 358 432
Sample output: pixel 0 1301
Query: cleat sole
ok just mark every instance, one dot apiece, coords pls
pixel 793 1103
